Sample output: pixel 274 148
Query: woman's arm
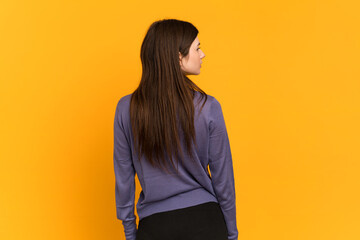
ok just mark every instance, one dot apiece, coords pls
pixel 221 168
pixel 124 178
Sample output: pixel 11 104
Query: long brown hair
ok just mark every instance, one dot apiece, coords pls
pixel 163 100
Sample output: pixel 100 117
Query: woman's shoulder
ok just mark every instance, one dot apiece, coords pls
pixel 123 104
pixel 125 99
pixel 211 109
pixel 210 99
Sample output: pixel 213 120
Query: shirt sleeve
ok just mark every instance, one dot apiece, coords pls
pixel 124 178
pixel 221 168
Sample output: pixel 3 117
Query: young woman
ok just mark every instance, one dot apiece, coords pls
pixel 164 135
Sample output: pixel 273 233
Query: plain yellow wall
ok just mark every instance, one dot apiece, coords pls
pixel 285 72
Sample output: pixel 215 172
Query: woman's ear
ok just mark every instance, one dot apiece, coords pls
pixel 180 59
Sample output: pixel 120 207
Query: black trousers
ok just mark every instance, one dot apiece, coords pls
pixel 200 222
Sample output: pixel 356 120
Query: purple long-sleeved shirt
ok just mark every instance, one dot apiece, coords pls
pixel 191 186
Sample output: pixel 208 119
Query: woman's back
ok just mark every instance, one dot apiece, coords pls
pixel 188 185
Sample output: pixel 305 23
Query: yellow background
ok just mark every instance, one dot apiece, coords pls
pixel 285 72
